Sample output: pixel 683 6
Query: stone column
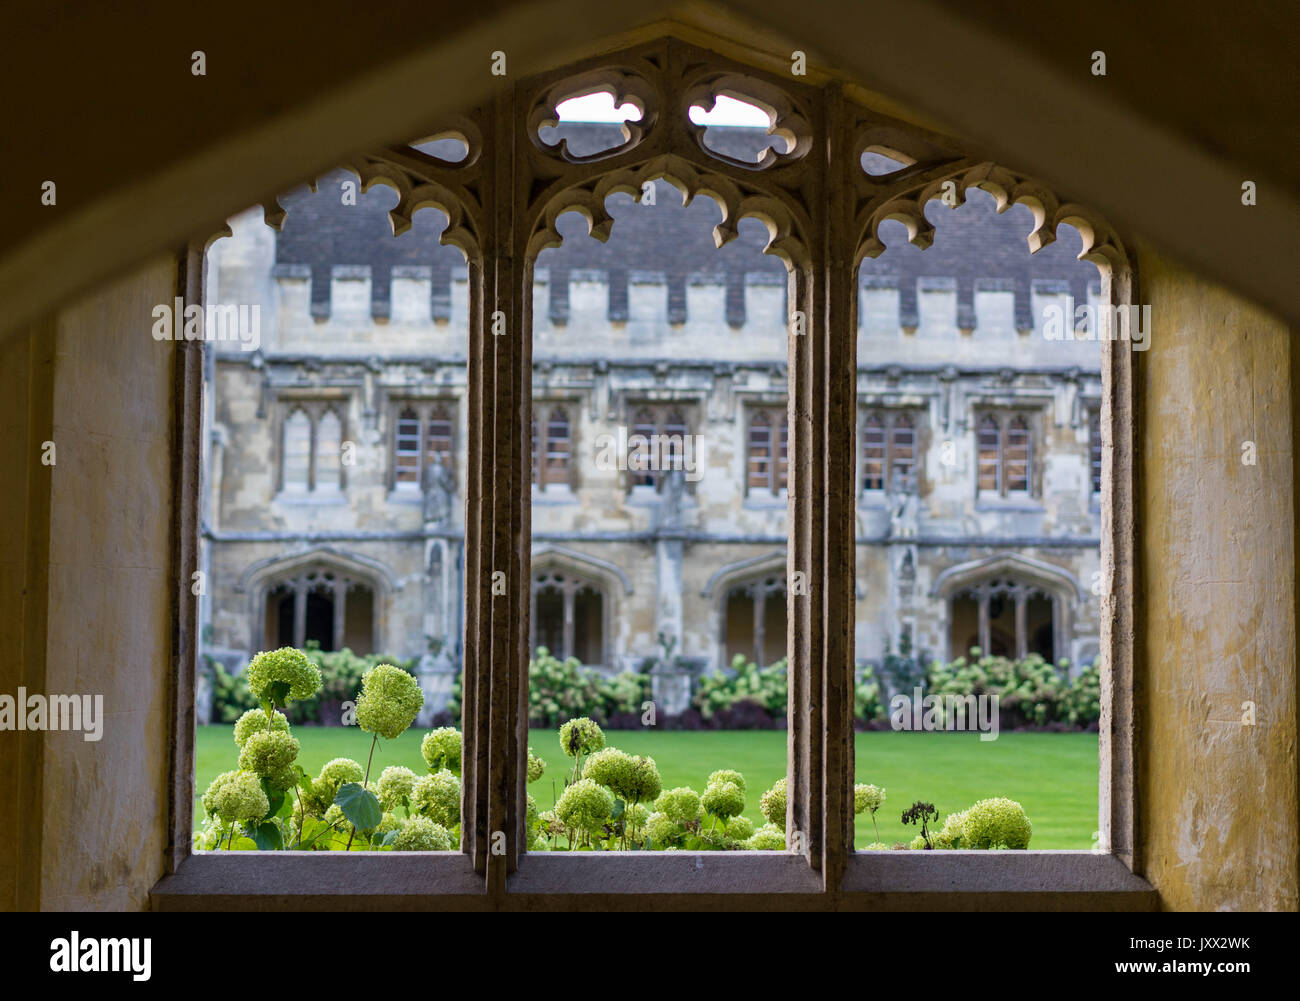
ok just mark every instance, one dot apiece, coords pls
pixel 299 613
pixel 985 629
pixel 340 612
pixel 1022 622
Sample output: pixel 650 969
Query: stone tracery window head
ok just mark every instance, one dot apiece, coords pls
pixel 754 621
pixel 568 617
pixel 322 606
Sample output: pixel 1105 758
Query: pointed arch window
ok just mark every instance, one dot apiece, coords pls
pixel 424 431
pixel 889 450
pixel 767 447
pixel 311 448
pixel 664 429
pixel 553 449
pixel 1004 443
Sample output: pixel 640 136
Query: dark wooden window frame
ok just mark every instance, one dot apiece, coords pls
pixel 824 213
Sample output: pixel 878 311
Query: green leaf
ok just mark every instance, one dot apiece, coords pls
pixel 274 797
pixel 359 805
pixel 267 837
pixel 389 838
pixel 277 692
pixel 618 809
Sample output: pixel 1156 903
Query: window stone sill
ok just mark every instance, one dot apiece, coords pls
pixel 922 881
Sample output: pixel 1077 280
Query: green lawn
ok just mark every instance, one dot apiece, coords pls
pixel 1053 775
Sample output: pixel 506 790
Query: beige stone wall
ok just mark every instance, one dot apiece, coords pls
pixel 97 566
pixel 1216 798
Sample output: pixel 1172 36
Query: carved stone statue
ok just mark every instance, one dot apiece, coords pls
pixel 672 499
pixel 438 488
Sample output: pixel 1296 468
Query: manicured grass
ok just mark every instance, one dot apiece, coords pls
pixel 1053 775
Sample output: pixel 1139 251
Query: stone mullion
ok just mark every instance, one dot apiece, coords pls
pixel 522 530
pixel 1120 684
pixel 478 583
pixel 833 208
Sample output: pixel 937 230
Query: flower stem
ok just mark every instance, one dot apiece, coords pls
pixel 374 740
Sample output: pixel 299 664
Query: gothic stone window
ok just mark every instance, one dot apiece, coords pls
pixel 665 428
pixel 767 448
pixel 311 447
pixel 422 434
pixel 568 616
pixel 552 447
pixel 323 606
pixel 753 622
pixel 889 450
pixel 1005 446
pixel 1004 617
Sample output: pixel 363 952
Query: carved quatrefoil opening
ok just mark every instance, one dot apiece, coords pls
pixel 741 132
pixel 590 125
pixel 745 121
pixel 592 116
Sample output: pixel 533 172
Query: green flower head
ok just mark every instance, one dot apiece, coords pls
pixel 337 772
pixel 422 835
pixel 951 834
pixel 723 800
pixel 581 736
pixel 918 843
pixel 536 766
pixel 740 828
pixel 585 805
pixel 727 775
pixel 389 823
pixel 254 720
pixel 867 798
pixel 680 805
pixel 876 846
pixel 768 838
pixel 441 749
pixel 268 752
pixel 997 823
pixel 236 797
pixel 390 701
pixel 286 778
pixel 608 767
pixel 396 784
pixel 276 676
pixel 662 830
pixel 437 797
pixel 772 805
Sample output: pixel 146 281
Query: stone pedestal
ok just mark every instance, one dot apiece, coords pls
pixel 437 676
pixel 670 687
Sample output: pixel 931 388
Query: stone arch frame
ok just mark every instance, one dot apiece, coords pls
pixel 723 580
pixel 608 577
pixel 823 212
pixel 259 578
pixel 1058 583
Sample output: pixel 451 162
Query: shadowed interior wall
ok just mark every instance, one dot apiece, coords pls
pixel 98 577
pixel 1217 798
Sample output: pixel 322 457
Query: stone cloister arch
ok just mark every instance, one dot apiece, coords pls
pixel 822 212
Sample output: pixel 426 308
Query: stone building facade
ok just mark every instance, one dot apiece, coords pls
pixel 336 449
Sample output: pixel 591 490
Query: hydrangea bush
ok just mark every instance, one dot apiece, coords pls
pixel 611 800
